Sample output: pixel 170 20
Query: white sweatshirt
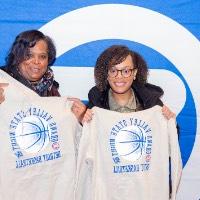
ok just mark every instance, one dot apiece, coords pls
pixel 37 145
pixel 125 156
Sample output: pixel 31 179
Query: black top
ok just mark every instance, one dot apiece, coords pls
pixel 147 94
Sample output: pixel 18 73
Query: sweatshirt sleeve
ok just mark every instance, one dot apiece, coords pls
pixel 176 162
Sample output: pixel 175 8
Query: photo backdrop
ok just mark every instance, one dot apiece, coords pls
pixel 165 33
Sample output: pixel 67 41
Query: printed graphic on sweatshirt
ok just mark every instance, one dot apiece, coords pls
pixel 31 132
pixel 131 145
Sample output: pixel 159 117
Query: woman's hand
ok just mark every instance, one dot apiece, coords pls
pixel 168 114
pixel 78 108
pixel 87 116
pixel 2 97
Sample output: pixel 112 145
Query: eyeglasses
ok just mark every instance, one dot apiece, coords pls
pixel 113 72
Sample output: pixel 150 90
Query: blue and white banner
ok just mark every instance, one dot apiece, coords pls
pixel 165 33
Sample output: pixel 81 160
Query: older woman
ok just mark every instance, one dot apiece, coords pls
pixel 29 61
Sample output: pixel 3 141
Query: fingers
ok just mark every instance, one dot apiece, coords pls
pixel 88 116
pixel 2 97
pixel 3 85
pixel 77 103
pixel 168 114
pixel 78 108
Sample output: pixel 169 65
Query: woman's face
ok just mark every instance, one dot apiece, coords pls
pixel 35 66
pixel 120 84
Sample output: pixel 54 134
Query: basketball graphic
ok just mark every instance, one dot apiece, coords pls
pixel 130 143
pixel 33 134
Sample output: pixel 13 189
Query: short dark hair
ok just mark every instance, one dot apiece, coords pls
pixel 115 55
pixel 20 48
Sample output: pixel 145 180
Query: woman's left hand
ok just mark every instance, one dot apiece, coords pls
pixel 2 97
pixel 78 108
pixel 168 114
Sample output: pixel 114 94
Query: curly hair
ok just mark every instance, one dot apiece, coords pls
pixel 20 48
pixel 115 55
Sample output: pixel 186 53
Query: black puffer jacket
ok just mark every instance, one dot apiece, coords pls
pixel 148 96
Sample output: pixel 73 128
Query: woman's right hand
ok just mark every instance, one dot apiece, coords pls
pixel 87 116
pixel 168 114
pixel 2 86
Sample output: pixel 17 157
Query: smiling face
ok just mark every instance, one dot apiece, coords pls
pixel 120 84
pixel 35 66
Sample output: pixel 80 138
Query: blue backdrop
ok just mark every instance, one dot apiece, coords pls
pixel 17 16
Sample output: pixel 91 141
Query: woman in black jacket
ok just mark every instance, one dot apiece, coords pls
pixel 121 83
pixel 29 61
